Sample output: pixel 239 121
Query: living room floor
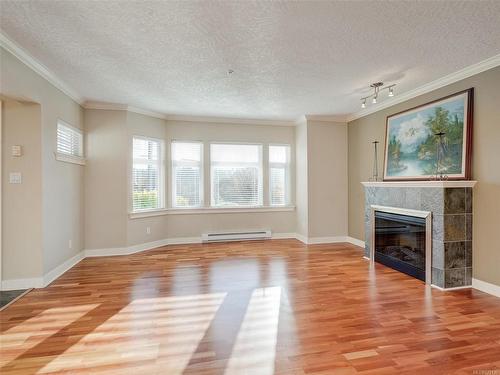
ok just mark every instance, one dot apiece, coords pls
pixel 259 307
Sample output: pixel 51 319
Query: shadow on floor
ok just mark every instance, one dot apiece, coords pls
pixel 9 296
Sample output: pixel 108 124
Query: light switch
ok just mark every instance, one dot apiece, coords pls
pixel 15 178
pixel 17 150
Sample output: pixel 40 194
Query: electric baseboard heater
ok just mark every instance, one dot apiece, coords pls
pixel 236 236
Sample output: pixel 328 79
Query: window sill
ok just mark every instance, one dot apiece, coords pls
pixel 209 210
pixel 69 158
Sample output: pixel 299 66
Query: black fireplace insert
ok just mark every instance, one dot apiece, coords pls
pixel 400 243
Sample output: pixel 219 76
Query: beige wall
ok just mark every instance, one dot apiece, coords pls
pixel 22 208
pixel 107 182
pixel 327 179
pixel 62 195
pixel 485 166
pixel 321 197
pixel 301 184
pixel 106 179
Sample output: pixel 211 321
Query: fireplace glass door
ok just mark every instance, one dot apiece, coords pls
pixel 400 243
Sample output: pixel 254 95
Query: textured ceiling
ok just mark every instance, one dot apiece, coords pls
pixel 289 58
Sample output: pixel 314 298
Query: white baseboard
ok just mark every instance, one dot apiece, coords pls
pixel 321 240
pixel 450 289
pixel 62 268
pixel 282 236
pixel 183 240
pixel 112 251
pixel 355 241
pixel 301 238
pixel 17 284
pixel 486 287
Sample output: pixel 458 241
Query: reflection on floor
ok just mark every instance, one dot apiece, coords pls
pixel 270 307
pixel 9 296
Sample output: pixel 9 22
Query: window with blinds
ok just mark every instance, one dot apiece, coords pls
pixel 236 175
pixel 279 175
pixel 187 174
pixel 147 191
pixel 69 140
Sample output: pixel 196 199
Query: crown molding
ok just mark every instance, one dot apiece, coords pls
pixel 327 118
pixel 459 75
pixel 204 119
pixel 146 112
pixel 21 54
pixel 230 120
pixel 122 107
pixel 105 106
pixel 300 120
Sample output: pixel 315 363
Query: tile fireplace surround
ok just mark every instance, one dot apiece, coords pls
pixel 450 203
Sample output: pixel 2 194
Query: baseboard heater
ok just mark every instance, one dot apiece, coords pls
pixel 235 236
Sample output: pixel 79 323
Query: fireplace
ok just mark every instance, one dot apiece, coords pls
pixel 400 243
pixel 402 239
pixel 447 209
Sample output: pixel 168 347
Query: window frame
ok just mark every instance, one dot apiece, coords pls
pixel 173 185
pixel 161 174
pixel 288 177
pixel 70 157
pixel 260 175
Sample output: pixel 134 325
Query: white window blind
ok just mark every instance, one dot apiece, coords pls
pixel 279 175
pixel 147 192
pixel 236 175
pixel 187 174
pixel 69 140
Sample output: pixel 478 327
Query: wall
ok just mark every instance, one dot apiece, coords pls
pixel 302 197
pixel 107 191
pixel 486 159
pixel 327 179
pixel 22 208
pixel 62 195
pixel 105 186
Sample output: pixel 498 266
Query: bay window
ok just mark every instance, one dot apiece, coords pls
pixel 236 175
pixel 187 174
pixel 147 174
pixel 279 175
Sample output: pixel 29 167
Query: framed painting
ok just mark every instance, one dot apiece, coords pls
pixel 434 139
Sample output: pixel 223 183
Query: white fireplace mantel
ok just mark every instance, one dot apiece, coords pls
pixel 420 184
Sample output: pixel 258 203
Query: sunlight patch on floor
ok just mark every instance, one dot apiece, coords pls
pixel 23 336
pixel 164 330
pixel 255 348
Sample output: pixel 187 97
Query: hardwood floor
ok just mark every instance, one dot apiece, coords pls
pixel 248 308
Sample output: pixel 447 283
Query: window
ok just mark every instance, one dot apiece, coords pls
pixel 279 175
pixel 147 184
pixel 187 174
pixel 236 175
pixel 69 140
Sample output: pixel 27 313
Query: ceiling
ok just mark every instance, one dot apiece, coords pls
pixel 289 58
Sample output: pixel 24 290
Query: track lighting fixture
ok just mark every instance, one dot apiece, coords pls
pixel 377 87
